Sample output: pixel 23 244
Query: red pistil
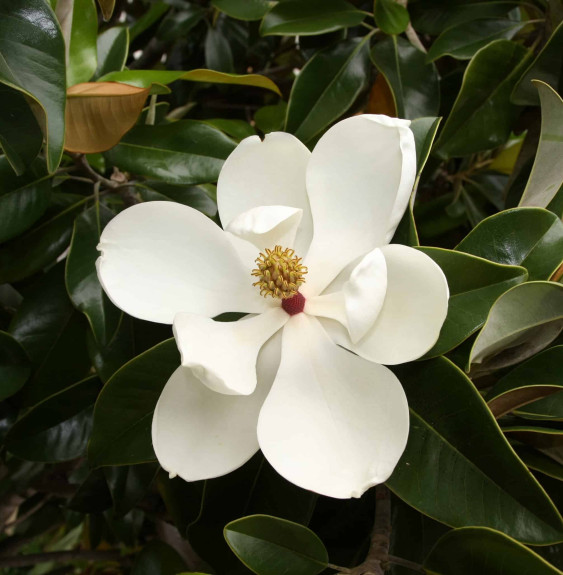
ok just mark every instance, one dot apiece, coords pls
pixel 294 304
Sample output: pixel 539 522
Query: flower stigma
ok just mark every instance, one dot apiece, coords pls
pixel 280 273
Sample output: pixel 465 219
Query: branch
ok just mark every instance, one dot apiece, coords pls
pixel 62 557
pixel 411 33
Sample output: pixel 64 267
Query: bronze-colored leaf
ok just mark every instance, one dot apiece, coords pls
pixel 107 7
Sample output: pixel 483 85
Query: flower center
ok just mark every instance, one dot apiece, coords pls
pixel 279 273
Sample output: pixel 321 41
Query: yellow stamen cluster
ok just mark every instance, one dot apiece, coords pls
pixel 279 273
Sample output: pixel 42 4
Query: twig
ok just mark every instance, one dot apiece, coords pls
pixel 411 33
pixel 82 162
pixel 28 513
pixel 406 563
pixel 62 557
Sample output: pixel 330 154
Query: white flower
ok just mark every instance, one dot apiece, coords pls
pixel 328 420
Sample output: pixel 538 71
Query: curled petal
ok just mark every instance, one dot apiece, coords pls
pixel 334 422
pixel 161 258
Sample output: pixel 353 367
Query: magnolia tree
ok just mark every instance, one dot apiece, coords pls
pixel 280 287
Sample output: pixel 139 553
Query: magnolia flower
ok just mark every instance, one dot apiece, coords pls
pixel 304 253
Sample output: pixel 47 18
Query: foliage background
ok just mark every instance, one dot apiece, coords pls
pixel 478 489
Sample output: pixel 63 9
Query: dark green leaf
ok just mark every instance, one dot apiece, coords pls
pixel 82 281
pixel 297 18
pixel 271 118
pixel 538 435
pixel 20 134
pixel 128 484
pixel 482 116
pixel 218 53
pixel 414 83
pixel 269 546
pixel 546 68
pixel 424 130
pixel 23 200
pixel 446 449
pixel 158 558
pixel 123 412
pixel 58 428
pixel 184 152
pixel 475 284
pixel 113 46
pixel 177 24
pixel 528 237
pixel 472 550
pixel 151 16
pixel 14 366
pixel 33 62
pixel 463 40
pixel 92 496
pixel 197 197
pixel 523 321
pixel 537 461
pixel 237 129
pixel 326 87
pixel 243 9
pixel 390 16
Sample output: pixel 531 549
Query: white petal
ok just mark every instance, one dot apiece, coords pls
pixel 267 226
pixel 198 433
pixel 266 173
pixel 329 305
pixel 222 355
pixel 414 310
pixel 333 423
pixel 359 179
pixel 364 293
pixel 161 258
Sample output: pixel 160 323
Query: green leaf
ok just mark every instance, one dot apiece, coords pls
pixel 158 558
pixel 177 24
pixel 297 18
pixel 522 321
pixel 271 118
pixel 528 237
pixel 390 16
pixel 482 115
pixel 546 68
pixel 23 200
pixel 218 53
pixel 414 83
pixel 20 135
pixel 14 366
pixel 243 9
pixel 546 178
pixel 128 484
pixel 236 129
pixel 58 428
pixel 472 550
pixel 123 414
pixel 537 461
pixel 326 87
pixel 549 408
pixel 113 47
pixel 464 40
pixel 424 130
pixel 79 23
pixel 145 78
pixel 456 455
pixel 538 435
pixel 269 546
pixel 183 152
pixel 82 281
pixel 197 197
pixel 27 254
pixel 107 7
pixel 475 284
pixel 538 377
pixel 53 335
pixel 151 16
pixel 32 56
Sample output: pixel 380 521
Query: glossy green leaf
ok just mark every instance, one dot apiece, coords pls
pixel 482 115
pixel 390 16
pixel 158 558
pixel 58 428
pixel 296 18
pixel 79 23
pixel 271 118
pixel 546 67
pixel 53 334
pixel 197 197
pixel 218 53
pixel 107 7
pixel 123 414
pixel 472 550
pixel 23 200
pixel 475 284
pixel 528 237
pixel 27 254
pixel 82 282
pixel 15 367
pixel 414 83
pixel 538 377
pixel 20 135
pixel 447 466
pixel 151 16
pixel 538 435
pixel 269 546
pixel 177 24
pixel 546 178
pixel 523 321
pixel 326 87
pixel 538 461
pixel 128 484
pixel 145 78
pixel 549 408
pixel 464 40
pixel 236 129
pixel 183 152
pixel 113 47
pixel 243 9
pixel 33 62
